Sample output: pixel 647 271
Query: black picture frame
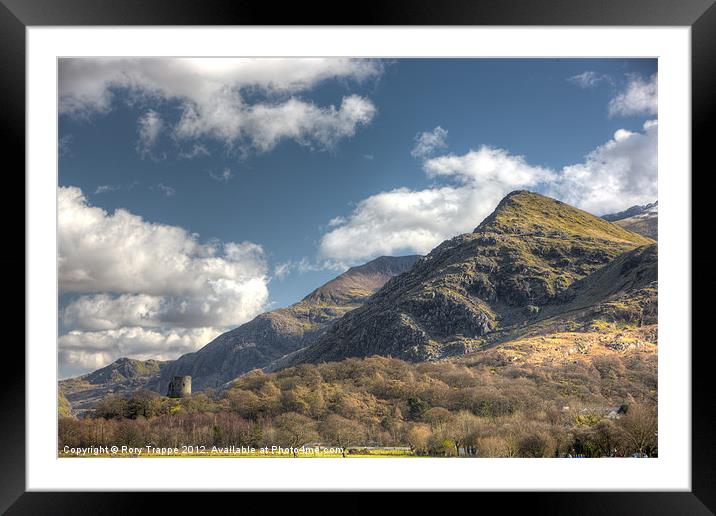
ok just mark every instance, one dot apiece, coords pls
pixel 17 15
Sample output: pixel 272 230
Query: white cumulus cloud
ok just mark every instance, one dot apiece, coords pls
pixel 265 125
pixel 123 253
pixel 214 94
pixel 488 165
pixel 639 97
pixel 426 143
pixel 153 279
pixel 618 174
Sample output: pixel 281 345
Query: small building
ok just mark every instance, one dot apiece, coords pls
pixel 179 387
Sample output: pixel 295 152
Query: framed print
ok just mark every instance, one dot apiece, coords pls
pixel 429 248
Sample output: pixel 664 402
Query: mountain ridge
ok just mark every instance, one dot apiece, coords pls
pixel 639 219
pixel 632 211
pixel 518 260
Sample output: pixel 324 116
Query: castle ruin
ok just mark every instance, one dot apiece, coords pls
pixel 179 387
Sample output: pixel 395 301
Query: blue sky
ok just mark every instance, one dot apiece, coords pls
pixel 309 168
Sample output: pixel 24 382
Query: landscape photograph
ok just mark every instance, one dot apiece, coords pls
pixel 399 258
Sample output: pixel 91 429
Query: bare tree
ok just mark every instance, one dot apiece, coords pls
pixel 342 432
pixel 639 427
pixel 463 428
pixel 295 430
pixel 418 436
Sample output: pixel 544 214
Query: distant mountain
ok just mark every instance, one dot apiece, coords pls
pixel 124 370
pixel 634 210
pixel 123 376
pixel 646 224
pixel 252 345
pixel 358 283
pixel 639 219
pixel 480 288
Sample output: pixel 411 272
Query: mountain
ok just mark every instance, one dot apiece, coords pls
pixel 124 370
pixel 630 212
pixel 124 375
pixel 484 287
pixel 639 219
pixel 645 223
pixel 252 345
pixel 359 283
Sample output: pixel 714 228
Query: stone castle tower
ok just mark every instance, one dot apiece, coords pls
pixel 179 387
